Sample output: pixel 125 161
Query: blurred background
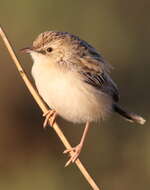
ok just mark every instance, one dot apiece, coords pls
pixel 116 153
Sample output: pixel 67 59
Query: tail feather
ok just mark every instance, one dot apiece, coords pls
pixel 132 117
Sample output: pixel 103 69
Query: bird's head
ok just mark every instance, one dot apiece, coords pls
pixel 52 45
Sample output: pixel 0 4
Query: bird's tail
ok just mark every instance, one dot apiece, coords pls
pixel 132 117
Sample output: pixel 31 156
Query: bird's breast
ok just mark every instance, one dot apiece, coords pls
pixel 65 92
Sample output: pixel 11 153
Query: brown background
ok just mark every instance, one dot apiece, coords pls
pixel 116 152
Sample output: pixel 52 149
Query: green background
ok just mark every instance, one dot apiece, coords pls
pixel 116 153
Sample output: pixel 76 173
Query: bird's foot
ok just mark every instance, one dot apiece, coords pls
pixel 74 155
pixel 50 117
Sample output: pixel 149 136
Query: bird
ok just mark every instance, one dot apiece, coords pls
pixel 73 79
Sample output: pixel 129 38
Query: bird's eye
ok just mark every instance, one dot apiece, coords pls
pixel 49 49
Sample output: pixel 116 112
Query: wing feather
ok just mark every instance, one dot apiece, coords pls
pixel 95 71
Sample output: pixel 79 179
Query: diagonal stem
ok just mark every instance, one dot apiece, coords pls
pixel 44 108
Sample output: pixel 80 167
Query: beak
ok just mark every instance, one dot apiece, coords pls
pixel 31 49
pixel 26 50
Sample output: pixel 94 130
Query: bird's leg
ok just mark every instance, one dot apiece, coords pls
pixel 77 149
pixel 50 117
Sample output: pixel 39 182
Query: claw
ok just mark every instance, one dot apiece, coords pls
pixel 76 151
pixel 50 117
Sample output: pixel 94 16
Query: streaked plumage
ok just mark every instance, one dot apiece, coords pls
pixel 76 82
pixel 73 79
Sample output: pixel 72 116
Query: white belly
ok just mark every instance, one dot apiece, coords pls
pixel 72 99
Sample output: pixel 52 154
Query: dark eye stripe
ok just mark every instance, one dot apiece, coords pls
pixel 42 52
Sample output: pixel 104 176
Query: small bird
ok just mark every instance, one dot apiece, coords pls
pixel 73 79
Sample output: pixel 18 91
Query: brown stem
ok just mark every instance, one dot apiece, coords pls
pixel 44 108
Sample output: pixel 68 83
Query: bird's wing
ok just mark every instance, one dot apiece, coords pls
pixel 95 71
